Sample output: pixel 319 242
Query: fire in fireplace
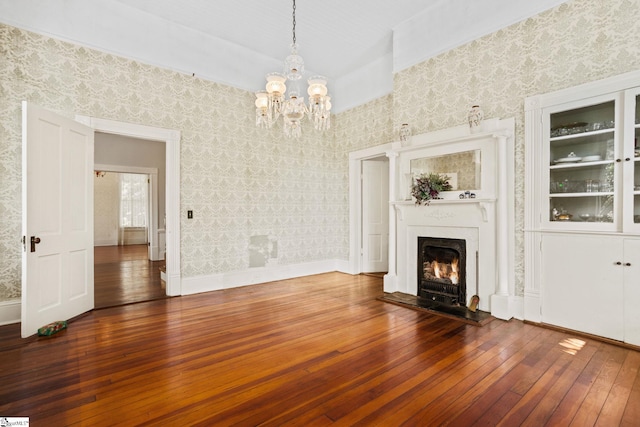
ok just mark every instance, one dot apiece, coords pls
pixel 441 270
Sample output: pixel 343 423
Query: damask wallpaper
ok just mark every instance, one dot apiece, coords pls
pixel 577 42
pixel 242 183
pixel 239 181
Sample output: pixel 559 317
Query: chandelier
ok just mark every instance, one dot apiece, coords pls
pixel 272 103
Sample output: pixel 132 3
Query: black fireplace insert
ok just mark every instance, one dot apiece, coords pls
pixel 442 270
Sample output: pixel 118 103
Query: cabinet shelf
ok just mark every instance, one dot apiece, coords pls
pixel 594 194
pixel 581 165
pixel 581 135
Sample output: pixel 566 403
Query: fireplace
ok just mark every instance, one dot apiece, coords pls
pixel 442 270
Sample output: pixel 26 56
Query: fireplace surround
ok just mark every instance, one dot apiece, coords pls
pixel 485 223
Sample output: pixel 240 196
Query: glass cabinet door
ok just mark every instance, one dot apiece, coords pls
pixel 636 162
pixel 583 166
pixel 632 161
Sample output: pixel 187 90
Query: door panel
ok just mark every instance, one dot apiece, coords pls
pixel 57 275
pixel 375 215
pixel 582 284
pixel 631 299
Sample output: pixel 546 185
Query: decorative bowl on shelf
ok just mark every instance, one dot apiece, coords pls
pixel 585 217
pixel 573 159
pixel 565 217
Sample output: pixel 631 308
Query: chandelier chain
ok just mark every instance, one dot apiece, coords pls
pixel 294 21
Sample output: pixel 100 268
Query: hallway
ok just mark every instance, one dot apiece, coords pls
pixel 124 275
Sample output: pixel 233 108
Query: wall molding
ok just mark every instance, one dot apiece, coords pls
pixel 10 311
pixel 254 276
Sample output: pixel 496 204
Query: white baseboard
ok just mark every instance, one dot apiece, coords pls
pixel 105 242
pixel 252 276
pixel 532 305
pixel 10 311
pixel 517 307
pixel 507 307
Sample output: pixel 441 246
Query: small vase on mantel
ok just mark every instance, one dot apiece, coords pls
pixel 405 134
pixel 475 119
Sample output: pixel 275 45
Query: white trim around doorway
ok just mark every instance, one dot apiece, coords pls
pixel 355 201
pixel 172 139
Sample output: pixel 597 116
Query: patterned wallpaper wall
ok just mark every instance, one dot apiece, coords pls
pixel 242 183
pixel 239 182
pixel 576 42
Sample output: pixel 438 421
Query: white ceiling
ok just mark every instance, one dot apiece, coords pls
pixel 357 44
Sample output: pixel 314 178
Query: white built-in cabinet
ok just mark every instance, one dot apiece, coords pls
pixel 582 193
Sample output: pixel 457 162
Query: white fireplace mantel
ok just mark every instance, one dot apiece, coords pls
pixel 485 222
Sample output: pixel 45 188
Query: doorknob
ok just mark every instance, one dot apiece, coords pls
pixel 34 241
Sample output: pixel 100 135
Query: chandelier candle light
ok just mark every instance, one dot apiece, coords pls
pixel 271 103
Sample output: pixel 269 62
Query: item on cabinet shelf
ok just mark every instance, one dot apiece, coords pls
pixel 569 129
pixel 636 153
pixel 405 134
pixel 592 185
pixel 567 186
pixel 593 158
pixel 606 187
pixel 585 217
pixel 475 118
pixel 571 158
pixel 565 217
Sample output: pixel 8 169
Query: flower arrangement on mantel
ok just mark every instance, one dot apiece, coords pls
pixel 427 186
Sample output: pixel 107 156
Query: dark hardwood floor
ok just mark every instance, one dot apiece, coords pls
pixel 318 350
pixel 124 275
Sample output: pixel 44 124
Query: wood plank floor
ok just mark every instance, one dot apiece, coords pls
pixel 124 275
pixel 318 350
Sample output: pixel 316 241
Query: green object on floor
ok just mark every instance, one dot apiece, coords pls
pixel 52 328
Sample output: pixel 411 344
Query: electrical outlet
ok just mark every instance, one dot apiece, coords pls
pixel 190 214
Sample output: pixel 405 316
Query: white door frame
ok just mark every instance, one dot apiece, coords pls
pixel 171 137
pixel 355 203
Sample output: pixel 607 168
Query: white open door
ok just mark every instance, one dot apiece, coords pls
pixel 57 218
pixel 375 215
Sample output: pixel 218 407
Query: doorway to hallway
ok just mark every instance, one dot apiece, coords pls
pixel 125 275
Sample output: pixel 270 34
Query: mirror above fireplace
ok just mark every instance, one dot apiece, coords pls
pixel 463 167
